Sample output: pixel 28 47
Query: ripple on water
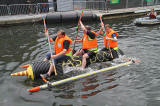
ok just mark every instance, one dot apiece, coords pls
pixel 134 85
pixel 9 66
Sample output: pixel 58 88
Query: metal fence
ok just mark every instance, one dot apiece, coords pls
pixel 21 9
pixel 91 5
pixel 15 9
pixel 106 4
pixel 4 10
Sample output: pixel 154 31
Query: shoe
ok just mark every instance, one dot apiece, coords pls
pixel 46 76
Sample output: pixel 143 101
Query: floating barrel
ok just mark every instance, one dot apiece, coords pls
pixel 53 18
pixel 71 16
pixel 87 16
pixel 43 67
pixel 34 70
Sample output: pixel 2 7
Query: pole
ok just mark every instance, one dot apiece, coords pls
pixel 50 49
pixel 107 40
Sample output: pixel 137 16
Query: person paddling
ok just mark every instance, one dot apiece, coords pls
pixel 89 44
pixel 152 14
pixel 110 40
pixel 62 50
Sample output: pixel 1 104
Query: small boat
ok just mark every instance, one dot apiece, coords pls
pixel 147 21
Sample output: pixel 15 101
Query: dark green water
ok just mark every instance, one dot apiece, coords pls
pixel 134 85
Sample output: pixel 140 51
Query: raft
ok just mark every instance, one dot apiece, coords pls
pixel 51 84
pixel 34 70
pixel 147 21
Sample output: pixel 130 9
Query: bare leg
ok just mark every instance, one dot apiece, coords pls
pixel 51 69
pixel 79 52
pixel 85 56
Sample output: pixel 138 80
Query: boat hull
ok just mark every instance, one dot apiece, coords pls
pixel 147 21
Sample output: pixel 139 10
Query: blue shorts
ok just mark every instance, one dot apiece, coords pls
pixel 58 59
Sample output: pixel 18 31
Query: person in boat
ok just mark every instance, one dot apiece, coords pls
pixel 89 44
pixel 152 14
pixel 110 41
pixel 62 51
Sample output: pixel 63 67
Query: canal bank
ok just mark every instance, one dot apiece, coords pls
pixel 72 16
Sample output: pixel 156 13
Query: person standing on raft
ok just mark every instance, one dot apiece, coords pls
pixel 152 14
pixel 110 41
pixel 89 44
pixel 62 50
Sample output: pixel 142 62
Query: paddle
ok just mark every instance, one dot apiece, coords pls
pixel 49 43
pixel 107 39
pixel 73 51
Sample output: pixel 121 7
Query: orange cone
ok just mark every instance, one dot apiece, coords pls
pixel 25 66
pixel 22 73
pixel 28 72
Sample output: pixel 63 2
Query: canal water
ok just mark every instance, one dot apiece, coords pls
pixel 133 85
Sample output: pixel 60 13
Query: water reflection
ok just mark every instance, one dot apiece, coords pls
pixel 96 86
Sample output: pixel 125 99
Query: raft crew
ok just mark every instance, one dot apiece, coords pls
pixel 62 50
pixel 89 44
pixel 152 14
pixel 110 37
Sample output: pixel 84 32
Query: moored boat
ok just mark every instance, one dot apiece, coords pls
pixel 147 21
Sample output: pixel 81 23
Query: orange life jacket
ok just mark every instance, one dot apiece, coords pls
pixel 58 46
pixel 88 43
pixel 112 43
